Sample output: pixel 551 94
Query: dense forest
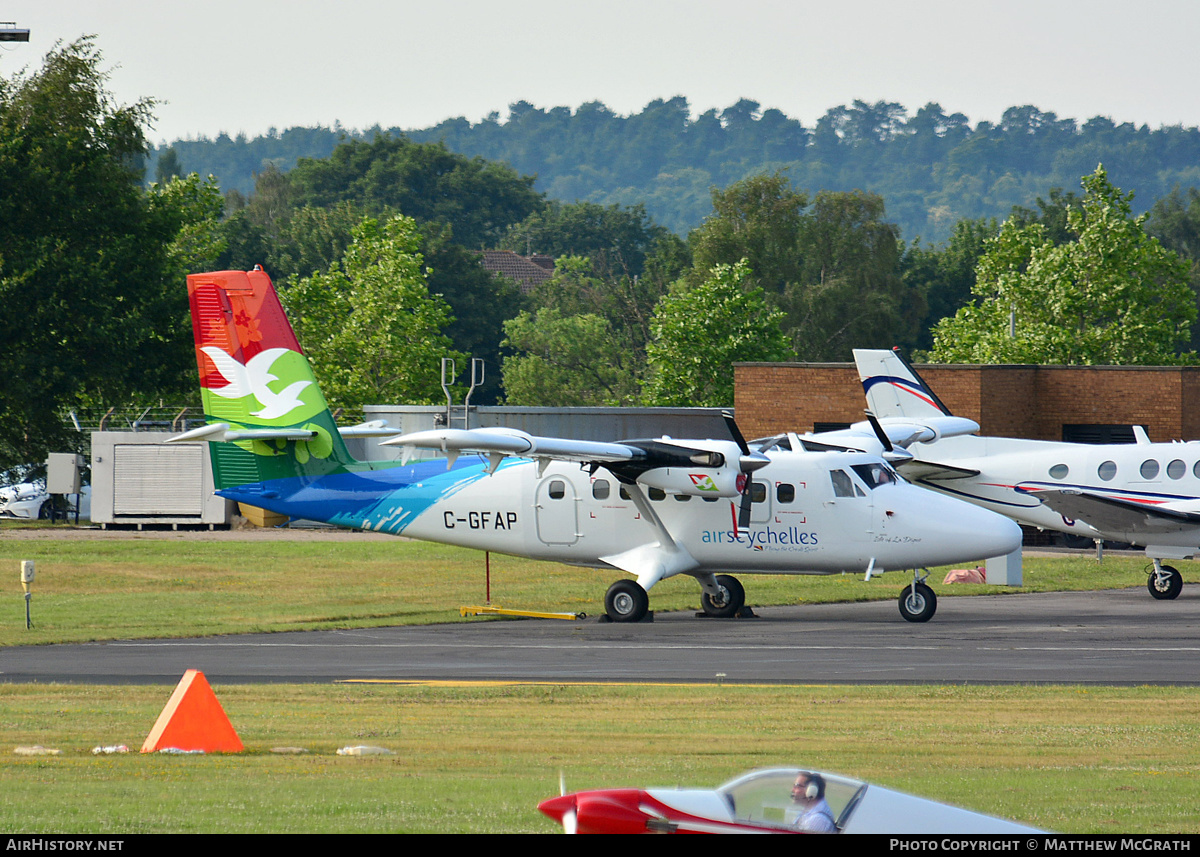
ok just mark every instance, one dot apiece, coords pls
pixel 932 168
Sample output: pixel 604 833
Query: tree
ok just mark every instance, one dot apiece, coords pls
pixel 833 267
pixel 758 219
pixel 945 276
pixel 700 331
pixel 1175 221
pixel 1113 295
pixel 583 344
pixel 478 199
pixel 850 293
pixel 567 361
pixel 617 240
pixel 369 326
pixel 92 310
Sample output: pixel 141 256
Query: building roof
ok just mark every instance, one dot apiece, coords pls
pixel 527 271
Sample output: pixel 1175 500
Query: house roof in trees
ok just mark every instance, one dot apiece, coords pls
pixel 527 271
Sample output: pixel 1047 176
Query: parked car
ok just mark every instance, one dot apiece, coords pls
pixel 29 501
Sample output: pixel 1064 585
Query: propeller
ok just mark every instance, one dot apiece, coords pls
pixel 747 464
pixel 570 821
pixel 890 453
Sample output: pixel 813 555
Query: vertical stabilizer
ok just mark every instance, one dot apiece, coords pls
pixel 254 377
pixel 893 387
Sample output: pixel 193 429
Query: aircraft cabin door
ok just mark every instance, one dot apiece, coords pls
pixel 557 505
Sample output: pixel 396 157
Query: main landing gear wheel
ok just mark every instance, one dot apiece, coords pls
pixel 1165 585
pixel 626 601
pixel 730 600
pixel 917 603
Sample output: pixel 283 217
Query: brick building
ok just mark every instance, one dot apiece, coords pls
pixel 1040 402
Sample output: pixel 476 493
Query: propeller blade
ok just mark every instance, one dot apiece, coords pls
pixel 735 432
pixel 879 432
pixel 744 509
pixel 890 453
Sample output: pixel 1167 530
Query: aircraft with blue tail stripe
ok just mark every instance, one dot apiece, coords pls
pixel 652 508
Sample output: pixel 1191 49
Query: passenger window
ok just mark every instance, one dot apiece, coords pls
pixel 758 492
pixel 657 494
pixel 1149 468
pixel 1176 469
pixel 1059 471
pixel 600 489
pixel 1108 469
pixel 557 489
pixel 625 494
pixel 785 493
pixel 683 498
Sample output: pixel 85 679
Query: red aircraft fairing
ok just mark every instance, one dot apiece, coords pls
pixel 761 802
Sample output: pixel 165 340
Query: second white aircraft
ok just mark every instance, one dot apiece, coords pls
pixel 1145 493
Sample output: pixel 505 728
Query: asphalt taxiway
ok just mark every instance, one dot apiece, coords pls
pixel 1116 637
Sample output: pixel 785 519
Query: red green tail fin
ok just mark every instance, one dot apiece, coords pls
pixel 256 382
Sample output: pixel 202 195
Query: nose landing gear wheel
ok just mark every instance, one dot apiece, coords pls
pixel 626 601
pixel 917 603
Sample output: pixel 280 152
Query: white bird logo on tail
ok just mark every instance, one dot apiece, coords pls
pixel 253 379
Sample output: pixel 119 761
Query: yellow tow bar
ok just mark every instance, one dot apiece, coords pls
pixel 529 614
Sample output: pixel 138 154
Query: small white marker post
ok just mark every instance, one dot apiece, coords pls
pixel 27 573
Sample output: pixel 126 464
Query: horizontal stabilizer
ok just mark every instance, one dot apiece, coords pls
pixel 223 432
pixel 1115 515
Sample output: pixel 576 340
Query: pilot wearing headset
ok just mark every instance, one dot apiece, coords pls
pixel 808 793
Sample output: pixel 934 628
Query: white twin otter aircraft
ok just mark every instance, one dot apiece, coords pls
pixel 653 508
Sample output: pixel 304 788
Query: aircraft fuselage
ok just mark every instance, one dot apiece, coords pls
pixel 814 513
pixel 1165 475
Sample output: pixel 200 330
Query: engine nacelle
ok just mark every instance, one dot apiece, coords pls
pixel 698 481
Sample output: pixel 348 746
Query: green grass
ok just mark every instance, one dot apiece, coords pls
pixel 478 759
pixel 128 588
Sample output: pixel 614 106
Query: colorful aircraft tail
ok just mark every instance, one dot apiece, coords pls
pixel 257 386
pixel 893 387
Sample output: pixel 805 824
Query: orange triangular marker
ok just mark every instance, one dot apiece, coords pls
pixel 193 720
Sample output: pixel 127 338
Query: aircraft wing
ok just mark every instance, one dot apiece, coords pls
pixel 505 441
pixel 918 470
pixel 1113 515
pixel 716 468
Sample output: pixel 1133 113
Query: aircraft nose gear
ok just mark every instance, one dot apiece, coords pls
pixel 626 601
pixel 729 599
pixel 1164 582
pixel 918 603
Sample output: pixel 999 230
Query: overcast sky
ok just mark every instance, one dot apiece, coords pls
pixel 249 65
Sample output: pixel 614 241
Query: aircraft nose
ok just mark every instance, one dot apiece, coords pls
pixel 990 534
pixel 968 532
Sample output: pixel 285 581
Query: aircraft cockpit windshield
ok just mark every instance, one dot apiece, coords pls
pixel 765 797
pixel 875 474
